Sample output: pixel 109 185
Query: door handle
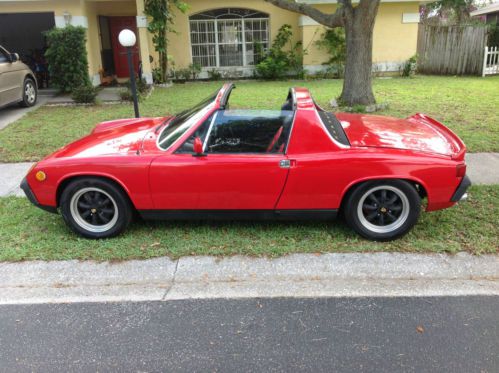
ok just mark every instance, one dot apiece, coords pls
pixel 287 163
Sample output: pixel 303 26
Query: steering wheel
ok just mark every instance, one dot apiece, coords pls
pixel 274 140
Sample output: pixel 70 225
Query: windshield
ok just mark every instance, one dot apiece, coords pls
pixel 183 121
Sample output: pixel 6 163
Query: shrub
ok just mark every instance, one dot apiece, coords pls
pixel 183 74
pixel 142 90
pixel 126 95
pixel 67 57
pixel 272 67
pixel 214 74
pixel 409 67
pixel 142 86
pixel 493 40
pixel 278 61
pixel 157 76
pixel 333 41
pixel 84 94
pixel 195 69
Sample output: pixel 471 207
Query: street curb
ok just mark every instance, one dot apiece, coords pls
pixel 298 275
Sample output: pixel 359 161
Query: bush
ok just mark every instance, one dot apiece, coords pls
pixel 409 67
pixel 66 56
pixel 183 74
pixel 278 62
pixel 142 90
pixel 195 69
pixel 214 74
pixel 126 95
pixel 333 41
pixel 142 86
pixel 272 67
pixel 493 40
pixel 157 76
pixel 84 94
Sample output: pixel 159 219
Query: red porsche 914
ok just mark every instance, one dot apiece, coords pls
pixel 295 162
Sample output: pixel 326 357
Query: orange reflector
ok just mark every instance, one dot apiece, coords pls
pixel 40 176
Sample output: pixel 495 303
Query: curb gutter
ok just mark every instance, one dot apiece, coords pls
pixel 298 275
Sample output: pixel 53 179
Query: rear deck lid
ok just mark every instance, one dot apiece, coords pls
pixel 418 133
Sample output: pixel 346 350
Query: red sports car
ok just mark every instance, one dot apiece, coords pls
pixel 297 161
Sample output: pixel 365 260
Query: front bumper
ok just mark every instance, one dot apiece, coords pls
pixel 29 193
pixel 460 193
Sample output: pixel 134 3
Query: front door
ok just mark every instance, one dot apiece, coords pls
pixel 116 25
pixel 244 166
pixel 217 181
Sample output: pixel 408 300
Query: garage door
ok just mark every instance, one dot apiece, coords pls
pixel 22 33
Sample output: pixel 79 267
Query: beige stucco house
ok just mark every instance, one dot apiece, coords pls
pixel 217 34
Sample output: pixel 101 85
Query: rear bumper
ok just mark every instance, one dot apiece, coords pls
pixel 29 193
pixel 460 193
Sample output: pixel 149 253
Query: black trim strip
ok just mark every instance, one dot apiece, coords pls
pixel 226 95
pixel 461 189
pixel 238 214
pixel 31 197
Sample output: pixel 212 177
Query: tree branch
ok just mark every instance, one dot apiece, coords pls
pixel 370 6
pixel 329 20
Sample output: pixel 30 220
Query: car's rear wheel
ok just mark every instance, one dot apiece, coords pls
pixel 95 208
pixel 30 93
pixel 382 210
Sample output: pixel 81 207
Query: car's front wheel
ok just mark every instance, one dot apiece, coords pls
pixel 382 210
pixel 95 208
pixel 30 93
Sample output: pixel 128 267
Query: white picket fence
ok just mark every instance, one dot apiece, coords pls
pixel 491 61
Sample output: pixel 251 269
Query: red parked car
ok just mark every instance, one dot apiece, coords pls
pixel 297 161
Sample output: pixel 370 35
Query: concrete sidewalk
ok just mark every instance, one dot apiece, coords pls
pixel 11 177
pixel 106 94
pixel 483 168
pixel 298 275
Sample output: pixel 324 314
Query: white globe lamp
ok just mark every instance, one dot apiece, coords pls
pixel 127 38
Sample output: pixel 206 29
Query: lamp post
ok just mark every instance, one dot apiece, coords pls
pixel 127 39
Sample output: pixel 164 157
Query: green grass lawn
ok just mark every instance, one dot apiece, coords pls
pixel 467 105
pixel 27 233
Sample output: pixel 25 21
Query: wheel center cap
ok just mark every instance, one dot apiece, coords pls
pixel 383 209
pixel 93 211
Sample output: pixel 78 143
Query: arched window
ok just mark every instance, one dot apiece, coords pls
pixel 228 37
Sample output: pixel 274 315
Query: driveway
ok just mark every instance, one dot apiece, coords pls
pixel 14 112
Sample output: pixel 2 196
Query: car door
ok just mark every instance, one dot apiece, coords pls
pixel 11 79
pixel 237 171
pixel 4 62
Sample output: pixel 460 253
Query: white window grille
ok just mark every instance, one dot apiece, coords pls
pixel 229 37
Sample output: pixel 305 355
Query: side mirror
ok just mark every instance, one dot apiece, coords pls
pixel 198 148
pixel 14 57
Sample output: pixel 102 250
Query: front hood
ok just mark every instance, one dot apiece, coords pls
pixel 118 137
pixel 387 132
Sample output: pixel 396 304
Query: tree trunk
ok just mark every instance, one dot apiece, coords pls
pixel 163 59
pixel 357 85
pixel 164 55
pixel 358 21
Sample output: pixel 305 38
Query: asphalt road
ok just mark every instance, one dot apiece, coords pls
pixel 453 334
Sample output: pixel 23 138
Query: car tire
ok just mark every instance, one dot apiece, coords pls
pixel 30 93
pixel 382 210
pixel 95 208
